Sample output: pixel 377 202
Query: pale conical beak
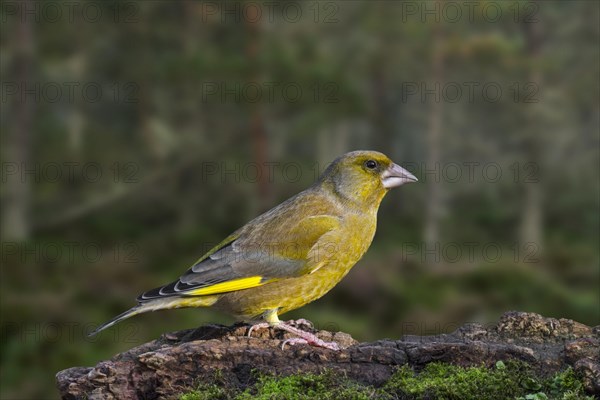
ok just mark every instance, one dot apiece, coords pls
pixel 395 175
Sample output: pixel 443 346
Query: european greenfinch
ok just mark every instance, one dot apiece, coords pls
pixel 290 255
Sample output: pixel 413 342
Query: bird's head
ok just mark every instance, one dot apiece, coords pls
pixel 364 177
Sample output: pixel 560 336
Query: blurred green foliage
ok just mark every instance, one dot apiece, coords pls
pixel 162 164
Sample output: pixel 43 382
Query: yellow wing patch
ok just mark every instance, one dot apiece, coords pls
pixel 229 286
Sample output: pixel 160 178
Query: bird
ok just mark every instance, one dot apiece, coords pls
pixel 290 255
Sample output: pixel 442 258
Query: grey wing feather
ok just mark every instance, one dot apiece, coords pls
pixel 228 263
pixel 241 258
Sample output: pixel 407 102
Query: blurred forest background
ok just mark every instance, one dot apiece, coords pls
pixel 136 135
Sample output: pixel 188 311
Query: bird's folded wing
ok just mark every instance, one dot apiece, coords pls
pixel 247 260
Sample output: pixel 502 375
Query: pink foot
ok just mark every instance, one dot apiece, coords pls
pixel 305 338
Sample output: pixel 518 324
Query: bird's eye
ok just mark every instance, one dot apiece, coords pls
pixel 371 164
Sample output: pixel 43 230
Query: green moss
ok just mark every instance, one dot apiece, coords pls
pixel 510 380
pixel 207 392
pixel 213 390
pixel 451 382
pixel 504 381
pixel 327 385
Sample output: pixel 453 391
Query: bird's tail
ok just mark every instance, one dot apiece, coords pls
pixel 159 304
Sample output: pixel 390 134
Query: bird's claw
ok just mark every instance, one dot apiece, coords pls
pixel 293 341
pixel 257 326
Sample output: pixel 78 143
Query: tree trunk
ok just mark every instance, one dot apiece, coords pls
pixel 434 186
pixel 178 362
pixel 532 217
pixel 16 202
pixel 257 129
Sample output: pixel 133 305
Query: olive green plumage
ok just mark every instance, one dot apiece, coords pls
pixel 292 254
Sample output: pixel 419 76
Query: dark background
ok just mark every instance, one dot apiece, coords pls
pixel 137 135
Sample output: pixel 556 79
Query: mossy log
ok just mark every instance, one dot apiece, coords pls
pixel 178 361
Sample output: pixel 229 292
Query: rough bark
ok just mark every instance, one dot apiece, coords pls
pixel 180 360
